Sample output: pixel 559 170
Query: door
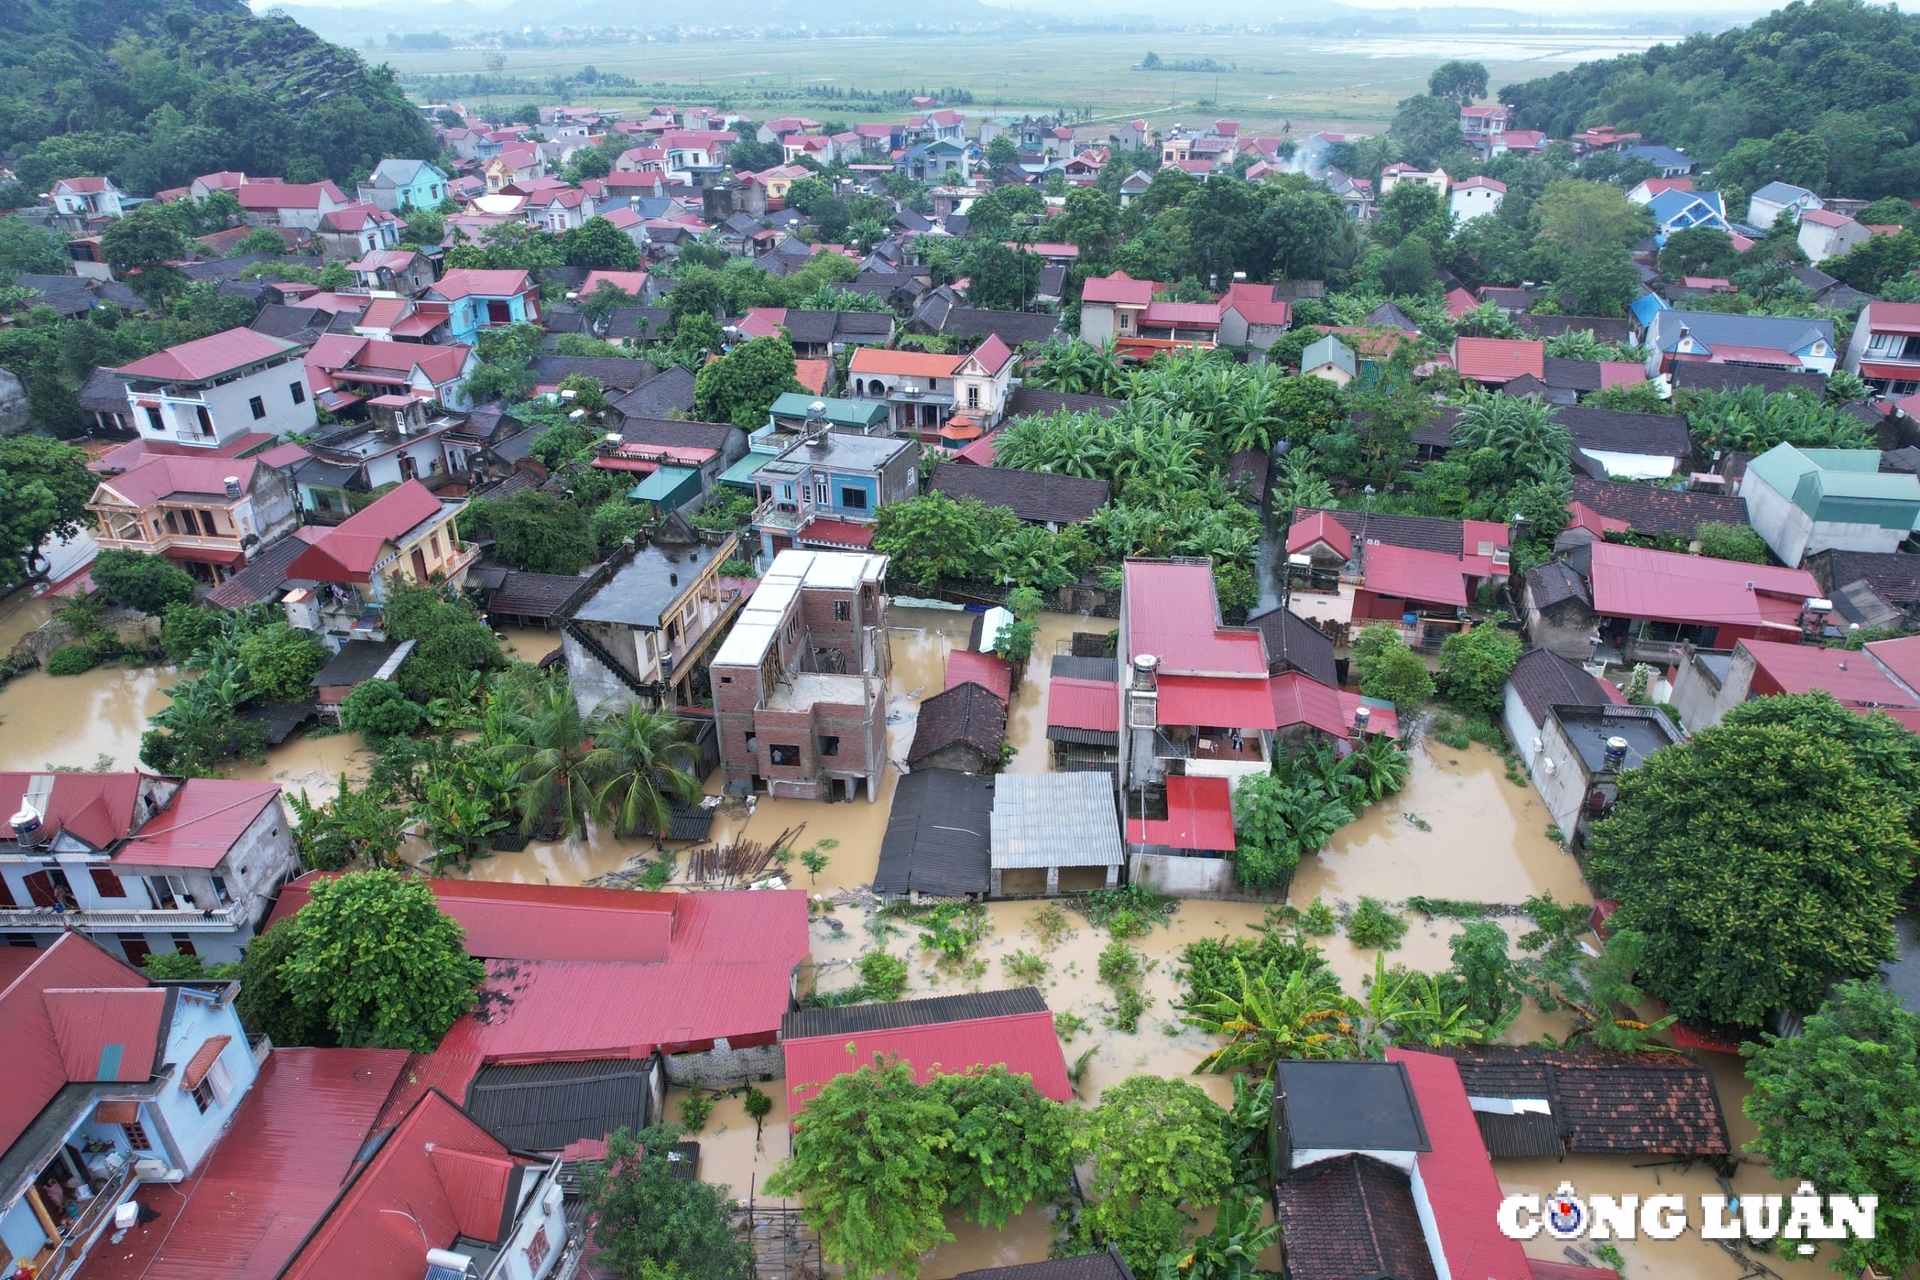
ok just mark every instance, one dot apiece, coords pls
pixel 499 313
pixel 419 565
pixel 409 468
pixel 135 948
pixel 41 886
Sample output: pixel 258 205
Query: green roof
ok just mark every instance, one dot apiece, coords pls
pixel 740 474
pixel 665 486
pixel 1841 486
pixel 1329 350
pixel 864 414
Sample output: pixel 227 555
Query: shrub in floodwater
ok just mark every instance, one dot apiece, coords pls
pixel 694 1110
pixel 1318 919
pixel 71 660
pixel 883 976
pixel 1051 926
pixel 1025 968
pixel 1374 927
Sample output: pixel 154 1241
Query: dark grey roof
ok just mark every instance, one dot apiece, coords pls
pixel 224 268
pixel 1438 432
pixel 937 835
pixel 638 592
pixel 1418 533
pixel 278 720
pixel 668 392
pixel 517 446
pixel 1544 679
pixel 967 715
pixel 264 578
pixel 1298 642
pixel 612 371
pixel 104 391
pixel 556 322
pixel 1053 280
pixel 1390 316
pixel 1603 328
pixel 853 1019
pixel 688 821
pixel 1572 375
pixel 1065 666
pixel 1699 375
pixel 643 323
pixel 292 323
pixel 318 473
pixel 1015 328
pixel 532 595
pixel 356 663
pixel 1893 575
pixel 1032 400
pixel 678 433
pixel 1352 1218
pixel 1085 1266
pixel 544 1106
pixel 1650 510
pixel 1038 496
pixel 1555 583
pixel 1657 435
pixel 818 328
pixel 568 279
pixel 1348 1106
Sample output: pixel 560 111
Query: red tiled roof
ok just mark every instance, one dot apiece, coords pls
pixel 208 357
pixel 162 475
pixel 281 1163
pixel 762 322
pixel 344 355
pixel 1655 186
pixel 1225 702
pixel 911 364
pixel 1460 302
pixel 438 1175
pixel 36 1066
pixel 1825 218
pixel 1316 528
pixel 988 670
pixel 1462 1192
pixel 1431 577
pixel 201 825
pixel 1172 614
pixel 1119 288
pixel 348 551
pixel 813 374
pixel 464 281
pixel 202 1061
pixel 838 533
pixel 1300 699
pixel 83 185
pixel 1666 586
pixel 1093 705
pixel 1199 816
pixel 1499 359
pixel 1026 1044
pixel 1621 373
pixel 354 217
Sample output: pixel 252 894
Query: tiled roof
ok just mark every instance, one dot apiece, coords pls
pixel 1037 496
pixel 1498 359
pixel 1652 1103
pixel 546 1106
pixel 346 552
pixel 1419 533
pixel 208 357
pixel 1646 509
pixel 1657 435
pixel 1699 375
pixel 1303 645
pixel 1555 583
pixel 1352 1216
pixel 1892 575
pixel 913 364
pixel 967 715
pixel 1086 1266
pixel 1603 328
pixel 1463 1195
pixel 1544 679
pixel 1032 400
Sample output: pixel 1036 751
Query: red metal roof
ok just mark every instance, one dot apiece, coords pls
pixel 1093 705
pixel 1119 288
pixel 281 1163
pixel 992 355
pixel 1319 527
pixel 988 670
pixel 1300 699
pixel 1191 315
pixel 464 281
pixel 1499 359
pixel 1172 614
pixel 1892 317
pixel 1199 816
pixel 95 807
pixel 36 1065
pixel 838 533
pixel 209 357
pixel 107 1033
pixel 1255 304
pixel 1382 718
pixel 633 282
pixel 201 824
pixel 127 456
pixel 1893 372
pixel 1858 682
pixel 1462 1192
pixel 1026 1044
pixel 438 1175
pixel 1902 657
pixel 1669 586
pixel 259 195
pixel 1224 702
pixel 1431 577
pixel 1460 302
pixel 163 475
pixel 348 551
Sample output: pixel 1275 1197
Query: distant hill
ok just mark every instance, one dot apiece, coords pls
pixel 153 92
pixel 1822 94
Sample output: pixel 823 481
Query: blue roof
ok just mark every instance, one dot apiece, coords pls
pixel 1646 307
pixel 1670 206
pixel 1665 157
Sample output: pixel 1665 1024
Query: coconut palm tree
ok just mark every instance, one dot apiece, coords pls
pixel 639 762
pixel 547 752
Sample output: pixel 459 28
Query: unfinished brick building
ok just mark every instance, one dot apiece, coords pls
pixel 800 684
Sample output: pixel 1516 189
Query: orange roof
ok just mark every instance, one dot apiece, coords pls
pixel 1499 359
pixel 813 374
pixel 910 364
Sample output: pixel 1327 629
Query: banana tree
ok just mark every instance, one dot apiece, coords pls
pixel 1305 1016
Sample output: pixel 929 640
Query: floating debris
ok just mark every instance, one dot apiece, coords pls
pixel 1418 821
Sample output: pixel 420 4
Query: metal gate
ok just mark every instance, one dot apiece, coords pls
pixel 783 1248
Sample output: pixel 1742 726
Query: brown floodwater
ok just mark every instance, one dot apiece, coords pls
pixel 75 720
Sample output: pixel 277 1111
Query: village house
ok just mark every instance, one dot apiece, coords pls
pixel 1037 497
pixel 1253 315
pixel 515 162
pixel 141 863
pixel 1579 752
pixel 1414 572
pixel 1476 197
pixel 1395 174
pixel 1600 507
pixel 1677 210
pixel 1645 602
pixel 114 1082
pixel 402 271
pixel 938 831
pixel 343 369
pixel 1791 343
pixel 481 299
pixel 406 533
pixel 826 489
pixel 289 204
pixel 638 630
pixel 208 514
pixel 1331 359
pixel 920 388
pixel 1824 234
pixel 1670 161
pixel 1120 309
pixel 214 391
pixel 1885 347
pixel 1806 500
pixel 961 729
pixel 1485 128
pixel 1869 590
pixel 403 184
pixel 1776 198
pixel 1710 683
pixel 402 438
pixel 1540 681
pixel 351 233
pixel 86 204
pixel 1558 609
pixel 800 683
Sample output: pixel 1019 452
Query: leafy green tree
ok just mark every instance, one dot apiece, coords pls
pixel 598 243
pixel 616 520
pixel 641 761
pixel 44 489
pixel 261 240
pixel 378 710
pixel 1740 542
pixel 25 249
pixel 932 537
pixel 742 385
pixel 139 248
pixel 1426 130
pixel 265 1003
pixel 136 580
pixel 374 953
pixel 870 1163
pixel 189 629
pixel 1698 251
pixel 1474 665
pixel 1409 268
pixel 1460 82
pixel 281 662
pixel 1839 1106
pixel 1001 151
pixel 1389 670
pixel 451 643
pixel 1277 822
pixel 1601 281
pixel 1000 276
pixel 1485 974
pixel 1573 217
pixel 1412 209
pixel 1155 1149
pixel 1759 863
pixel 1882 749
pixel 547 751
pixel 650 1221
pixel 541 533
pixel 1011 1144
pixel 173 966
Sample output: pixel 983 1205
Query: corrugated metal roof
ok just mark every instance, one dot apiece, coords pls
pixel 36 1067
pixel 96 807
pixel 109 1033
pixel 1299 699
pixel 545 1106
pixel 201 825
pixel 1430 577
pixel 1219 701
pixel 1083 704
pixel 1199 816
pixel 1055 820
pixel 281 1163
pixel 347 552
pixel 988 670
pixel 209 357
pixel 1634 582
pixel 937 835
pixel 1172 614
pixel 853 1018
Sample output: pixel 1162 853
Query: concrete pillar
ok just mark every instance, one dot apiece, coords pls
pixel 1053 881
pixel 993 881
pixel 1113 877
pixel 873 788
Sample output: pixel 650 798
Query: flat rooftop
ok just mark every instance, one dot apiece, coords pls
pixel 805 688
pixel 844 450
pixel 644 588
pixel 759 619
pixel 1645 729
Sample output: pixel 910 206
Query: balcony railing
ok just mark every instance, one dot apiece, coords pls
pixel 176 919
pixel 783 515
pixel 94 1216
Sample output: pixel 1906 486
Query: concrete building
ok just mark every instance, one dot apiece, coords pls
pixel 1776 198
pixel 1824 235
pixel 407 533
pixel 212 390
pixel 800 684
pixel 140 863
pixel 400 184
pixel 1807 500
pixel 1580 752
pixel 210 515
pixel 1709 684
pixel 826 489
pixel 638 630
pixel 1476 197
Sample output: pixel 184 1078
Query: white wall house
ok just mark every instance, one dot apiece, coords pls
pixel 211 390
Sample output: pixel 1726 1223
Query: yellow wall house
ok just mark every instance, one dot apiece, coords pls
pixel 408 534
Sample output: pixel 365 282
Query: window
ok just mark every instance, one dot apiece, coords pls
pixel 136 1134
pixel 220 889
pixel 298 392
pixel 783 753
pixel 819 493
pixel 258 405
pixel 829 745
pixel 843 610
pixel 538 1248
pixel 153 420
pixel 1126 319
pixel 434 539
pixel 184 945
pixel 853 499
pixel 203 1095
pixel 973 396
pixel 106 884
pixel 206 419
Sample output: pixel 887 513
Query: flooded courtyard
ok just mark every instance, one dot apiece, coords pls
pixel 1460 830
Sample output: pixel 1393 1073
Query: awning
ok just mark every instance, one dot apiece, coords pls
pixel 117 1111
pixel 1199 816
pixel 202 1062
pixel 1219 702
pixel 206 555
pixel 1891 372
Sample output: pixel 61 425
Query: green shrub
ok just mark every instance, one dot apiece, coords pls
pixel 140 581
pixel 694 1110
pixel 378 710
pixel 1374 927
pixel 883 976
pixel 71 660
pixel 1318 919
